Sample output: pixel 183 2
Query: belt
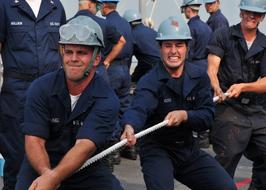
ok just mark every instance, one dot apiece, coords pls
pixel 22 76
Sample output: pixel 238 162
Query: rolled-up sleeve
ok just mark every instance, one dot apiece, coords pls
pixel 36 113
pixel 217 43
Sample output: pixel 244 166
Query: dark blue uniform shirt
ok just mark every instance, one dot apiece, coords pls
pixel 29 50
pixel 238 63
pixel 110 34
pixel 123 27
pixel 158 93
pixel 30 44
pixel 146 45
pixel 217 20
pixel 48 114
pixel 146 50
pixel 201 34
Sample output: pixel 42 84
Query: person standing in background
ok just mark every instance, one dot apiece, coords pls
pixel 29 49
pixel 146 48
pixel 113 40
pixel 201 34
pixel 216 19
pixel 118 69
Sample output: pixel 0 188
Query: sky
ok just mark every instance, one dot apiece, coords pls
pixel 165 8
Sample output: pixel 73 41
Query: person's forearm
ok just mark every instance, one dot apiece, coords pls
pixel 36 154
pixel 213 66
pixel 213 78
pixel 74 159
pixel 258 86
pixel 115 50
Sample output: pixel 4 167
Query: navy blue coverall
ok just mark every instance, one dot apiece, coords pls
pixel 48 115
pixel 29 50
pixel 118 70
pixel 201 35
pixel 240 124
pixel 170 153
pixel 146 50
pixel 217 20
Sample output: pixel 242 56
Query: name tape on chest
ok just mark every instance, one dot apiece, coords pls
pixel 16 23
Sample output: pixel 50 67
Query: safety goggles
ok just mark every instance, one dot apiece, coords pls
pixel 81 32
pixel 99 6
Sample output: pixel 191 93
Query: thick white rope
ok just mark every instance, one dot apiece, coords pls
pixel 124 141
pixel 216 98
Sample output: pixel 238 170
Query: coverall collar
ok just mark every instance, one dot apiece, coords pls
pixel 46 7
pixel 190 76
pixel 87 98
pixel 258 45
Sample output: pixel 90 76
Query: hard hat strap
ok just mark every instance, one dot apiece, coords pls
pixel 95 52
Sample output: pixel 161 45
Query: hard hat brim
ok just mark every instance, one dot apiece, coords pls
pixel 253 9
pixel 170 38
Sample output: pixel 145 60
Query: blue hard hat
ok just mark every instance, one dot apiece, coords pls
pixel 191 2
pixel 258 6
pixel 81 30
pixel 131 15
pixel 174 28
pixel 209 1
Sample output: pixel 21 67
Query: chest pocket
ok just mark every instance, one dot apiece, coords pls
pixel 253 68
pixel 19 38
pixel 190 101
pixel 53 38
pixel 169 101
pixel 76 124
pixel 60 137
pixel 56 128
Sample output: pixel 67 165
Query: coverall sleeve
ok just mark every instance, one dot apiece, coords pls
pixel 100 122
pixel 144 103
pixel 36 112
pixel 202 115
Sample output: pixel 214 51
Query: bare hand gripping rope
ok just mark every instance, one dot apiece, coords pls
pixel 124 141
